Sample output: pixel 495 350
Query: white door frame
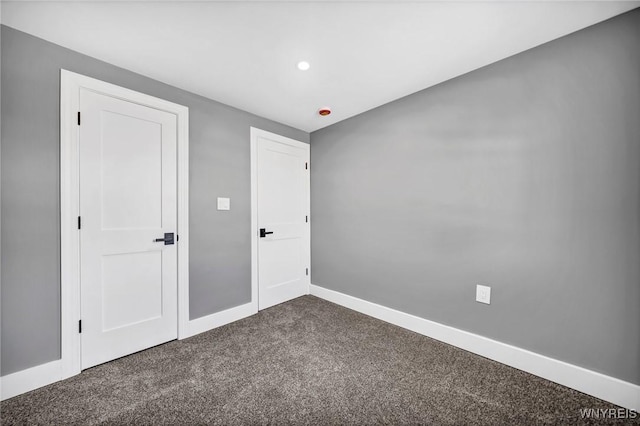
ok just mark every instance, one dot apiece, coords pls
pixel 70 85
pixel 255 133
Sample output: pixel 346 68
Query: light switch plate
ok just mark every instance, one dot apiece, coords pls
pixel 224 203
pixel 483 294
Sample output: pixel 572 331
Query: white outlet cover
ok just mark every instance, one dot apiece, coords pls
pixel 483 294
pixel 224 203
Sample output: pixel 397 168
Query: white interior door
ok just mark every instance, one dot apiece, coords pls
pixel 128 188
pixel 283 218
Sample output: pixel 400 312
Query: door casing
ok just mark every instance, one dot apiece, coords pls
pixel 70 85
pixel 255 134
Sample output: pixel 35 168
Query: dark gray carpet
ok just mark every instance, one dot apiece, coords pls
pixel 307 361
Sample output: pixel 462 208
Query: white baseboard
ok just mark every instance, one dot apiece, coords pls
pixel 41 375
pixel 32 378
pixel 608 388
pixel 209 322
pixel 590 382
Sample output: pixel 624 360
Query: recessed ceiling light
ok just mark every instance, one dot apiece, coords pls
pixel 303 65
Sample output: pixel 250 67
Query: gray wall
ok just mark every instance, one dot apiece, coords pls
pixel 523 175
pixel 220 248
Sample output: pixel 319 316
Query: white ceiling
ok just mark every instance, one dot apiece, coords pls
pixel 362 54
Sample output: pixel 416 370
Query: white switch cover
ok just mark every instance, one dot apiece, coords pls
pixel 483 294
pixel 224 203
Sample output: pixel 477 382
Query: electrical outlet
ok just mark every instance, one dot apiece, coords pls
pixel 483 294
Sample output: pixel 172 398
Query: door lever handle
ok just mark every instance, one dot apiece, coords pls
pixel 264 233
pixel 168 239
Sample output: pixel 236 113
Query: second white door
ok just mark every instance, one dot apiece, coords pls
pixel 127 201
pixel 282 181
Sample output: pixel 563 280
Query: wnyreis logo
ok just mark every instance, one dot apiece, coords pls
pixel 608 413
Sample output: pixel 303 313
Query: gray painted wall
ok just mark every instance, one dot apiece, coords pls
pixel 220 248
pixel 523 175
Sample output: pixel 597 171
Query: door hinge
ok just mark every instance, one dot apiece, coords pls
pixel 306 165
pixel 307 271
pixel 78 118
pixel 80 326
pixel 306 218
pixel 79 223
pixel 177 237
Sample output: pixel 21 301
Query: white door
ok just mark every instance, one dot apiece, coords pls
pixel 127 200
pixel 283 218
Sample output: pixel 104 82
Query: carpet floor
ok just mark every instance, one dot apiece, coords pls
pixel 306 361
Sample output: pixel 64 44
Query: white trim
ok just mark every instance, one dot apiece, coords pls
pixel 254 216
pixel 29 379
pixel 183 222
pixel 590 382
pixel 70 85
pixel 45 374
pixel 209 322
pixel 254 134
pixel 69 237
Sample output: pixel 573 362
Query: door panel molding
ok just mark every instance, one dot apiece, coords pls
pixel 255 135
pixel 70 86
